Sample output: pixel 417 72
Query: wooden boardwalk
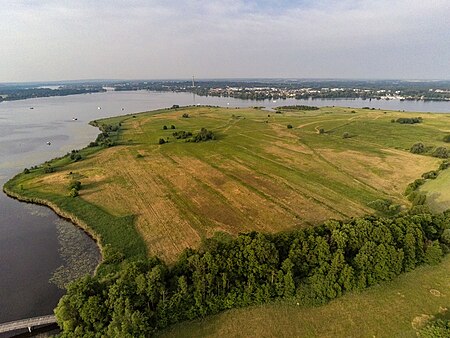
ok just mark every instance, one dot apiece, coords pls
pixel 28 323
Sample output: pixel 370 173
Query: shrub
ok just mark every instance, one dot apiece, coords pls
pixel 321 131
pixel 182 134
pixel 73 193
pixel 385 206
pixel 185 115
pixel 75 185
pixel 414 185
pixel 440 152
pixel 26 171
pixel 346 135
pixel 444 165
pixel 48 169
pixel 139 156
pixel 172 127
pixel 446 138
pixel 164 127
pixel 289 126
pixel 409 120
pixel 418 148
pixel 431 175
pixel 112 255
pixel 445 238
pixel 161 141
pixel 299 107
pixel 439 328
pixel 433 253
pixel 417 198
pixel 204 135
pixel 175 106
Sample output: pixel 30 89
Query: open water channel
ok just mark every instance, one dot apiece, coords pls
pixel 39 252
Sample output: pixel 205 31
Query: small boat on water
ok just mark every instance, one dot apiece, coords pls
pixel 49 143
pixel 75 119
pixel 31 107
pixel 99 108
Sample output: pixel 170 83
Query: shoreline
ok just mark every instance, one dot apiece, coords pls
pixel 63 215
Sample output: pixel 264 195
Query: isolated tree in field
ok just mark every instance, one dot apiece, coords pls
pixel 418 148
pixel 185 115
pixel 172 127
pixel 161 141
pixel 346 135
pixel 440 152
pixel 164 127
pixel 289 126
pixel 321 131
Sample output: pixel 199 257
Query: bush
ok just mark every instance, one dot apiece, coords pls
pixel 299 107
pixel 409 120
pixel 139 156
pixel 445 237
pixel 431 175
pixel 49 169
pixel 444 165
pixel 346 135
pixel 414 185
pixel 321 131
pixel 26 171
pixel 439 328
pixel 182 134
pixel 112 255
pixel 73 193
pixel 161 141
pixel 75 185
pixel 172 127
pixel 385 206
pixel 185 115
pixel 417 198
pixel 446 138
pixel 440 152
pixel 418 148
pixel 289 126
pixel 164 127
pixel 433 253
pixel 204 135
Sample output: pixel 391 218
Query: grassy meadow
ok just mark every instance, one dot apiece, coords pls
pixel 144 198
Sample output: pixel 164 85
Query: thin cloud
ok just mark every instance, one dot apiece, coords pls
pixel 171 39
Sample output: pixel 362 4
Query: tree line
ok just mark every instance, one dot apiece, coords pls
pixel 309 266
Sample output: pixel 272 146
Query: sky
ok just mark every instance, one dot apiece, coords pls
pixel 136 39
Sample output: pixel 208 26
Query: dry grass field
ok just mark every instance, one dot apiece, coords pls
pixel 257 175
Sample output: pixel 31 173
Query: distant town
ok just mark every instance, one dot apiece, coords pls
pixel 261 89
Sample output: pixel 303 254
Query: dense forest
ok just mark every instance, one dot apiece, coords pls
pixel 309 266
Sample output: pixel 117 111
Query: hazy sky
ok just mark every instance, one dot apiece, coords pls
pixel 60 40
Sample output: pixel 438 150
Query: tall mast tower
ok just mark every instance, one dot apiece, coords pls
pixel 193 83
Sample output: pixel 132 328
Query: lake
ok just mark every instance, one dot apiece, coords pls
pixel 39 252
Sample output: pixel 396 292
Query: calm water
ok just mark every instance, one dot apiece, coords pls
pixel 39 251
